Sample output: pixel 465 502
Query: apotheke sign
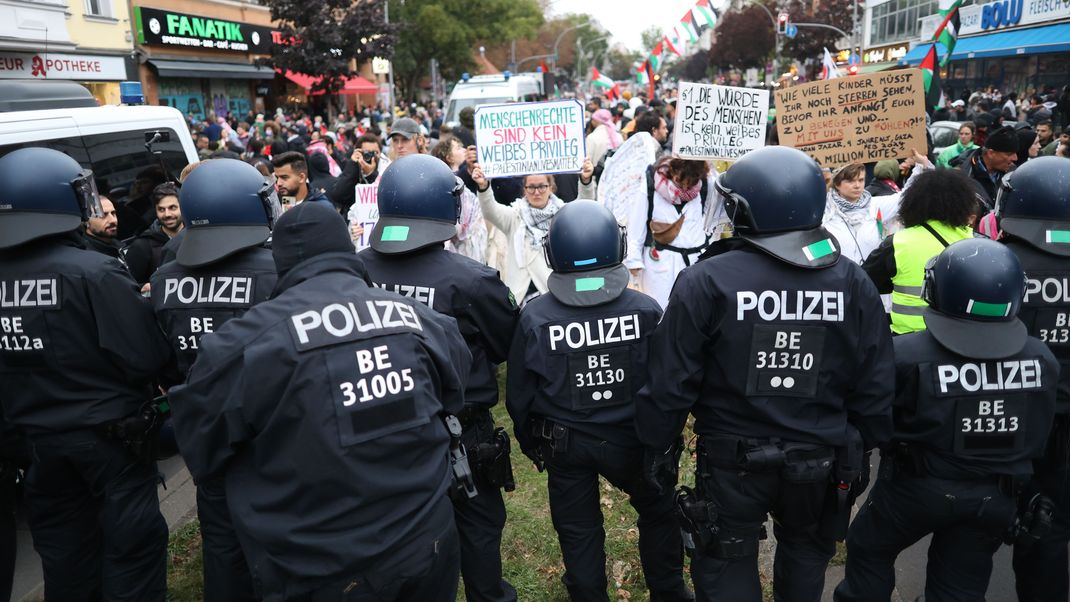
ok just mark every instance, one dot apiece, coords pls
pixel 1004 14
pixel 78 67
pixel 166 28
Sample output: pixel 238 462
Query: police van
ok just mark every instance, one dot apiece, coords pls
pixel 492 90
pixel 110 140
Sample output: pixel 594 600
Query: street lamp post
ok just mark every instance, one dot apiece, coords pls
pixel 553 59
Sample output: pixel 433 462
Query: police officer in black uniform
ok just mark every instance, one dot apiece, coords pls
pixel 222 270
pixel 78 349
pixel 1033 209
pixel 780 349
pixel 577 362
pixel 419 204
pixel 322 411
pixel 975 397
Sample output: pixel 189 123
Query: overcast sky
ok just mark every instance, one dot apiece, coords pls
pixel 626 19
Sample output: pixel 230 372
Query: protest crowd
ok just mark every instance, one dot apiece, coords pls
pixel 314 316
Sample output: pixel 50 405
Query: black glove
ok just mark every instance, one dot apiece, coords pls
pixel 1035 521
pixel 661 468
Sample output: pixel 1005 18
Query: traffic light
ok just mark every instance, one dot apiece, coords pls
pixel 782 21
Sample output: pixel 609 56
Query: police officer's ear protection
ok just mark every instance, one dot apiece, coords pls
pixel 458 190
pixel 269 196
pixel 85 191
pixel 735 206
pixel 928 285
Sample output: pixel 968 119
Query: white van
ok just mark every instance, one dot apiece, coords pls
pixel 491 89
pixel 109 140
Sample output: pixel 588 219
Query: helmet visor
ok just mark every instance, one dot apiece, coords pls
pixel 85 190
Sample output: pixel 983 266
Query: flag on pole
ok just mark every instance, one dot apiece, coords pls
pixel 704 12
pixel 690 17
pixel 543 67
pixel 671 46
pixel 931 74
pixel 828 67
pixel 612 90
pixel 688 28
pixel 948 31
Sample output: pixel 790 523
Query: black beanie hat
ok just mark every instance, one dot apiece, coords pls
pixel 1002 140
pixel 308 230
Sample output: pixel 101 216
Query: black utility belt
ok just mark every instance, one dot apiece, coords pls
pixel 760 455
pixel 473 415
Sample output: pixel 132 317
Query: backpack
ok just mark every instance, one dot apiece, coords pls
pixel 649 241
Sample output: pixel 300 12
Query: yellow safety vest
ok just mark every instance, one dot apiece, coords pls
pixel 914 247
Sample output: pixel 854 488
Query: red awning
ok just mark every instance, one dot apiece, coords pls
pixel 353 85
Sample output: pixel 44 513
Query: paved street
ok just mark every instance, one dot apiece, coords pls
pixel 177 502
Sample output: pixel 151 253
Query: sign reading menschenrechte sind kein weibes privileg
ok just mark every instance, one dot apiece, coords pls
pixel 530 138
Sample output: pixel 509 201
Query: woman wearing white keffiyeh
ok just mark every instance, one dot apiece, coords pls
pixel 858 220
pixel 525 223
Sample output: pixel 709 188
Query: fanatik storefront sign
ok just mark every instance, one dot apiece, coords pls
pixel 50 65
pixel 884 54
pixel 168 28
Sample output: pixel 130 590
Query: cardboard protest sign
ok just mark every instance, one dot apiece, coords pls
pixel 719 122
pixel 857 119
pixel 530 138
pixel 365 213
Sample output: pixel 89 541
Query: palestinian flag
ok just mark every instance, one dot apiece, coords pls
pixel 687 26
pixel 948 31
pixel 641 75
pixel 931 73
pixel 655 56
pixel 670 45
pixel 703 12
pixel 690 18
pixel 612 90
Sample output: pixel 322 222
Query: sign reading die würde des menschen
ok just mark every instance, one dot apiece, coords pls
pixel 530 138
pixel 719 122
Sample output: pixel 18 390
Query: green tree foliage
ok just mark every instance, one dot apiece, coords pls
pixel 743 39
pixel 451 31
pixel 811 40
pixel 619 63
pixel 325 35
pixel 651 36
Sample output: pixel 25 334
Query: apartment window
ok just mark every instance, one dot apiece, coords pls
pixel 98 8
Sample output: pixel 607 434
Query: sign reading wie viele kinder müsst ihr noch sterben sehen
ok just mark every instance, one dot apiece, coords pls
pixel 856 119
pixel 719 122
pixel 530 138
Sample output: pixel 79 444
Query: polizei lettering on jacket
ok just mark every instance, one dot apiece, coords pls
pixel 340 322
pixel 571 336
pixel 772 306
pixel 1052 289
pixel 41 293
pixel 214 290
pixel 423 294
pixel 1011 375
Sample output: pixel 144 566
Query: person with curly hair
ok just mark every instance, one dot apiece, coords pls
pixel 938 209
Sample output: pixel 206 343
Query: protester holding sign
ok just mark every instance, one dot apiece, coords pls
pixel 719 122
pixel 678 218
pixel 525 223
pixel 530 138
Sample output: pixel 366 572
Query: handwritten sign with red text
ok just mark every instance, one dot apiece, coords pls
pixel 364 213
pixel 856 119
pixel 530 138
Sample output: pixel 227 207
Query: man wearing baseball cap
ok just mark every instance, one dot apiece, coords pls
pixel 959 111
pixel 987 165
pixel 407 139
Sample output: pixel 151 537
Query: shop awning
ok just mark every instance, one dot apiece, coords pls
pixel 203 69
pixel 1036 40
pixel 353 85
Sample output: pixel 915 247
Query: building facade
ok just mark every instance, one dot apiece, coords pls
pixel 87 41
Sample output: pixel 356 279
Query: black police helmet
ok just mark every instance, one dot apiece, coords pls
pixel 44 192
pixel 419 204
pixel 974 289
pixel 227 205
pixel 585 247
pixel 1033 203
pixel 775 197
